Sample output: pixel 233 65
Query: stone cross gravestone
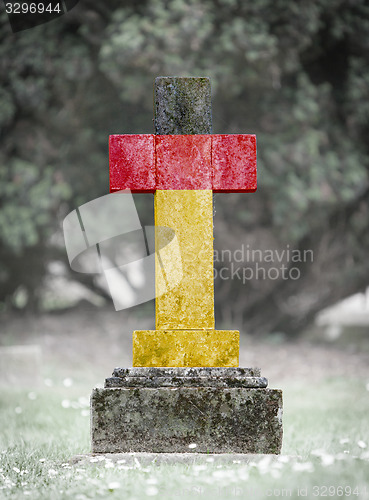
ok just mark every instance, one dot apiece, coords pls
pixel 185 386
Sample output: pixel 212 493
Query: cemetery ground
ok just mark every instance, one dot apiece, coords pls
pixel 42 427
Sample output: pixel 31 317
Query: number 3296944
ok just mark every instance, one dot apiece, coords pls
pixel 32 8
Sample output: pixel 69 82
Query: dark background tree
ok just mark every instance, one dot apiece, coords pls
pixel 296 74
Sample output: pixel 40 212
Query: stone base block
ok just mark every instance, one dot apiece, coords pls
pixel 185 348
pixel 169 419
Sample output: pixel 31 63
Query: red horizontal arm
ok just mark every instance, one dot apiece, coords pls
pixel 146 162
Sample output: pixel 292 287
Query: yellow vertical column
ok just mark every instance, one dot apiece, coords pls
pixel 191 305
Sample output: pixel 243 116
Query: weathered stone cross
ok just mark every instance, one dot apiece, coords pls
pixel 183 164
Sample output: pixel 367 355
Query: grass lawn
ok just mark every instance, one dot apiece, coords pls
pixel 325 451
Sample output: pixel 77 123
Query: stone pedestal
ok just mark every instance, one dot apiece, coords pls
pixel 165 410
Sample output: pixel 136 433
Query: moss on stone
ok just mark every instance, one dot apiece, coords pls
pixel 168 420
pixel 182 106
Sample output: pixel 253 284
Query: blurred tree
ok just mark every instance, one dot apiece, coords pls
pixel 296 74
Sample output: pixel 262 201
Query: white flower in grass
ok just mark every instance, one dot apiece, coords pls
pixel 210 459
pixel 200 467
pixel 8 482
pixel 48 382
pixel 32 396
pixel 152 480
pixel 121 461
pixel 94 459
pixel 114 485
pixel 225 474
pixel 26 492
pixel 344 440
pixel 264 464
pixel 303 467
pixel 65 403
pixel 67 382
pixel 367 386
pixel 52 472
pixel 218 473
pixel 318 453
pixel 83 401
pixel 152 491
pixel 361 444
pixel 243 474
pixel 15 469
pixel 18 410
pixel 327 460
pixel 85 413
pixel 275 473
pixel 42 460
pixel 109 465
pixel 192 446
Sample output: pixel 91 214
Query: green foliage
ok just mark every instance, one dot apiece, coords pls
pixel 31 198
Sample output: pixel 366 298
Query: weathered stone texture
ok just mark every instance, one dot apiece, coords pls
pixel 217 420
pixel 185 348
pixel 182 106
pixel 197 371
pixel 250 382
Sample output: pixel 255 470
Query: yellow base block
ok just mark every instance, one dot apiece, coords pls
pixel 185 348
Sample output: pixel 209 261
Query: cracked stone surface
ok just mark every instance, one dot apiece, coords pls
pixel 186 377
pixel 167 419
